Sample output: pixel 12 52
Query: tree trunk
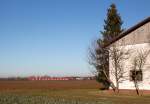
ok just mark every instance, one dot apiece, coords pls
pixel 117 86
pixel 136 87
pixel 111 83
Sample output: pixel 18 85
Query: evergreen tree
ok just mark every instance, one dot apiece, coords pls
pixel 112 26
pixel 100 56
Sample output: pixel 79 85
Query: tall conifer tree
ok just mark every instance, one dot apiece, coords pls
pixel 112 26
pixel 100 56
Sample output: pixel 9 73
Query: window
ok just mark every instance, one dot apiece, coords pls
pixel 136 75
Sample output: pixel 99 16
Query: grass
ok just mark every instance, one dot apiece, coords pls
pixel 67 96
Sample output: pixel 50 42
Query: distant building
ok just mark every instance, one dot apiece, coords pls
pixel 35 78
pixel 47 78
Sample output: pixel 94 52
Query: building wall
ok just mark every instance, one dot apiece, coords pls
pixel 138 36
pixel 128 65
pixel 138 40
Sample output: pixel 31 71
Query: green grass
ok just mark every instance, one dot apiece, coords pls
pixel 71 96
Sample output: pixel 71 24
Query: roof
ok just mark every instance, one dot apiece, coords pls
pixel 128 31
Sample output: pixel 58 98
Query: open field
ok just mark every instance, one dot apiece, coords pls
pixel 63 92
pixel 72 84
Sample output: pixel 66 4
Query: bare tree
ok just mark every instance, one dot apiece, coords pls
pixel 118 55
pixel 138 64
pixel 98 57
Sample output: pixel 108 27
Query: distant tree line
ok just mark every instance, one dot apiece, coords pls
pixel 13 78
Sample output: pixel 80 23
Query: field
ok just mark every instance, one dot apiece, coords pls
pixel 63 92
pixel 72 84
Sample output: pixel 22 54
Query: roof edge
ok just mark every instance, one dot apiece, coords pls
pixel 124 33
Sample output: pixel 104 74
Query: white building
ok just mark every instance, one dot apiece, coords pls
pixel 136 39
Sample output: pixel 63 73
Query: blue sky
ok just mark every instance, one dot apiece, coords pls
pixel 51 37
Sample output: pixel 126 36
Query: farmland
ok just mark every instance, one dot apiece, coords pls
pixel 63 92
pixel 72 84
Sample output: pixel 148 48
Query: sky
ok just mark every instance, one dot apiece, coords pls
pixel 51 37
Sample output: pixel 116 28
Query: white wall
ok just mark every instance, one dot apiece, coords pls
pixel 127 66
